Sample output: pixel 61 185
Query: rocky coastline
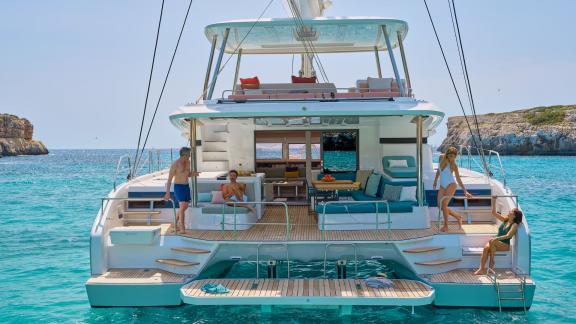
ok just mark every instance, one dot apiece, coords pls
pixel 16 137
pixel 535 131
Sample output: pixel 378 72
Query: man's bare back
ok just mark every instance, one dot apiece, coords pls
pixel 180 170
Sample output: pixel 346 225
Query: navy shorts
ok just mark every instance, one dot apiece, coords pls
pixel 182 193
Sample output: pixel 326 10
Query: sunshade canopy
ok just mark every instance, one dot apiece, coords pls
pixel 323 34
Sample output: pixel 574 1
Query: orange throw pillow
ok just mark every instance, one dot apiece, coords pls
pixel 250 83
pixel 296 79
pixel 291 174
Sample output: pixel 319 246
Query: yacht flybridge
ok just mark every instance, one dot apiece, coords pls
pixel 338 175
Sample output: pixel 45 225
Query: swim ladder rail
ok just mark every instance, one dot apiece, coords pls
pixel 272 244
pixel 352 202
pixel 235 223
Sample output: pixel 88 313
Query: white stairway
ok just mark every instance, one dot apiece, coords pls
pixel 215 148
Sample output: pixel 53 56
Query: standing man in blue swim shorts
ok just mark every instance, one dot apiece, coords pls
pixel 180 172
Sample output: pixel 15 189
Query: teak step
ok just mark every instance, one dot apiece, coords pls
pixel 189 250
pixel 438 262
pixel 424 249
pixel 176 262
pixel 153 212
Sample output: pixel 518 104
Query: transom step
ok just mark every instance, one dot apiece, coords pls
pixel 438 262
pixel 177 262
pixel 424 249
pixel 190 250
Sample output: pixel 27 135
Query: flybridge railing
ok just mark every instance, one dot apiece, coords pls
pixel 316 93
pixel 493 161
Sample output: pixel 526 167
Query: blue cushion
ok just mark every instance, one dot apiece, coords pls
pixel 372 185
pixel 359 195
pixel 204 197
pixel 398 172
pixel 395 207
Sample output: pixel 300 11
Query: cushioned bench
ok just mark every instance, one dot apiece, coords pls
pixel 395 207
pixel 399 172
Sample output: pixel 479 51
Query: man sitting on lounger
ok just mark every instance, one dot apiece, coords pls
pixel 235 191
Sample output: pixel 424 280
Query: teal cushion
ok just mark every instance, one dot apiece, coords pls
pixel 204 197
pixel 372 185
pixel 395 207
pixel 397 172
pixel 359 195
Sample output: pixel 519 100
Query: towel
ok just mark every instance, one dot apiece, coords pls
pixel 211 288
pixel 375 282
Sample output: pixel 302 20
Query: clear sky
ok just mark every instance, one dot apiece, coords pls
pixel 79 69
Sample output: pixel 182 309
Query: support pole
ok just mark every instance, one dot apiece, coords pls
pixel 419 168
pixel 308 140
pixel 237 72
pixel 393 60
pixel 193 163
pixel 378 61
pixel 404 64
pixel 403 55
pixel 210 60
pixel 218 63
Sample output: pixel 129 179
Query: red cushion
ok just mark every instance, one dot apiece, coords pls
pixel 296 79
pixel 250 83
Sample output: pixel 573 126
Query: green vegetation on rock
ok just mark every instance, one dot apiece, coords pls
pixel 546 115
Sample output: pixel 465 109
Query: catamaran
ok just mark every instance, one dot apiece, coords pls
pixel 338 175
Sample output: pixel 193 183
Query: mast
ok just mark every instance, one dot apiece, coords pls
pixel 307 9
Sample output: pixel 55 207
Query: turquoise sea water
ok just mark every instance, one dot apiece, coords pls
pixel 48 203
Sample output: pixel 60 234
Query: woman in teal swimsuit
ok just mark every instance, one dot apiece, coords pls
pixel 501 242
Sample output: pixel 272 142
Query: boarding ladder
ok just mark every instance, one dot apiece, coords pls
pixel 509 291
pixel 264 245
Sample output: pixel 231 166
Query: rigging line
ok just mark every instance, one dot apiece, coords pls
pixel 237 47
pixel 148 88
pixel 165 81
pixel 316 57
pixel 308 44
pixel 459 51
pixel 469 87
pixel 449 72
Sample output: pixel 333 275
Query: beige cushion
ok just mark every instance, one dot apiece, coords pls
pixel 362 177
pixel 379 83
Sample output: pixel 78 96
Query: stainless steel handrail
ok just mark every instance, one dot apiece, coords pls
pixel 235 223
pixel 118 164
pixel 465 198
pixel 342 244
pixel 272 244
pixel 141 199
pixel 337 202
pixel 489 165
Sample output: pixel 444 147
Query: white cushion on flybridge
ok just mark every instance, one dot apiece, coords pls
pixel 135 235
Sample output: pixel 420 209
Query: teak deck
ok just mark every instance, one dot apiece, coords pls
pixel 138 276
pixel 467 276
pixel 304 227
pixel 308 291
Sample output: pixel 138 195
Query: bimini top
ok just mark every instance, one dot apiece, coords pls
pixel 326 34
pixel 306 109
